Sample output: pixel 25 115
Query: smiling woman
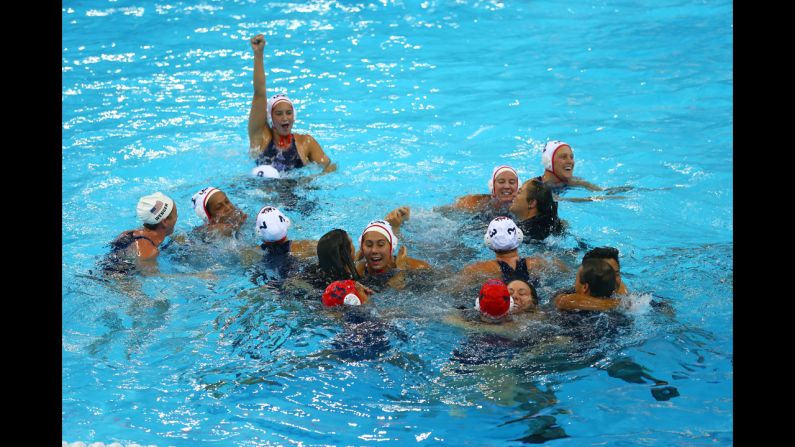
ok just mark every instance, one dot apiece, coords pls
pixel 558 159
pixel 503 186
pixel 270 125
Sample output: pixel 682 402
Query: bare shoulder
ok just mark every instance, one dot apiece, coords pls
pixel 146 250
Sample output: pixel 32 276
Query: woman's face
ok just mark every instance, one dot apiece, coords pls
pixel 377 250
pixel 522 295
pixel 283 119
pixel 221 210
pixel 563 163
pixel 519 203
pixel 505 186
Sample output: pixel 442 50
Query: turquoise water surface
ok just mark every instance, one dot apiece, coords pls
pixel 416 102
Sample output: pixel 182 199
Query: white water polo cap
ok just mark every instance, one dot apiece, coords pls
pixel 503 234
pixel 549 153
pixel 382 227
pixel 265 171
pixel 199 201
pixel 276 99
pixel 271 224
pixel 154 208
pixel 499 170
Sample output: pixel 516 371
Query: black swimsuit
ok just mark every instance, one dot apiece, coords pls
pixel 276 264
pixel 118 260
pixel 281 160
pixel 520 272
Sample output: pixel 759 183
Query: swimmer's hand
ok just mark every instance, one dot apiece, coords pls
pixel 397 216
pixel 258 43
pixel 331 167
pixel 363 290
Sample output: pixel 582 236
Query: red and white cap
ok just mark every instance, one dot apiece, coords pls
pixel 499 170
pixel 503 234
pixel 271 224
pixel 275 99
pixel 494 300
pixel 383 227
pixel 154 208
pixel 340 293
pixel 199 201
pixel 548 154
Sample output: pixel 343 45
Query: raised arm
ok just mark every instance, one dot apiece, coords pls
pixel 258 116
pixel 397 216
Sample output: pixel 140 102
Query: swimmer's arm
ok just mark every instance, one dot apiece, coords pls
pixel 535 263
pixel 589 199
pixel 585 184
pixel 471 275
pixel 404 262
pixel 581 302
pixel 471 202
pixel 397 216
pixel 258 116
pixel 455 319
pixel 315 154
pixel 304 248
pixel 149 267
pixel 250 255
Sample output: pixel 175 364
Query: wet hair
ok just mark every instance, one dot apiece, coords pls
pixel 603 253
pixel 547 221
pixel 600 277
pixel 542 194
pixel 533 293
pixel 334 254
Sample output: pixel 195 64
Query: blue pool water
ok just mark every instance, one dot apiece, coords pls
pixel 416 102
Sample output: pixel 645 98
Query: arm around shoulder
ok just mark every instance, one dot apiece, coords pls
pixel 582 302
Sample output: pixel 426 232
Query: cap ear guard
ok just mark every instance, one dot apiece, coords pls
pixel 352 300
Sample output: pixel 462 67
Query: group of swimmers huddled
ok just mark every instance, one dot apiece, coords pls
pixel 332 270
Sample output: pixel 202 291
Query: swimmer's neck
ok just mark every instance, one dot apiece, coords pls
pixel 508 255
pixel 156 236
pixel 552 179
pixel 281 141
pixel 281 241
pixel 526 213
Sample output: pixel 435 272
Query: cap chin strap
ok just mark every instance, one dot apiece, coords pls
pixel 285 141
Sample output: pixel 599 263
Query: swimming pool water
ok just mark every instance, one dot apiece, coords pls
pixel 416 102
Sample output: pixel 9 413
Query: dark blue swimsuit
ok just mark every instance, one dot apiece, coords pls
pixel 118 260
pixel 281 160
pixel 520 272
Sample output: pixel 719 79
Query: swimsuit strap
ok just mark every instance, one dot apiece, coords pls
pixel 135 238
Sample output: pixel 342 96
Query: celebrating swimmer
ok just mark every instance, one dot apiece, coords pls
pixel 158 213
pixel 270 125
pixel 558 160
pixel 220 216
pixel 503 186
